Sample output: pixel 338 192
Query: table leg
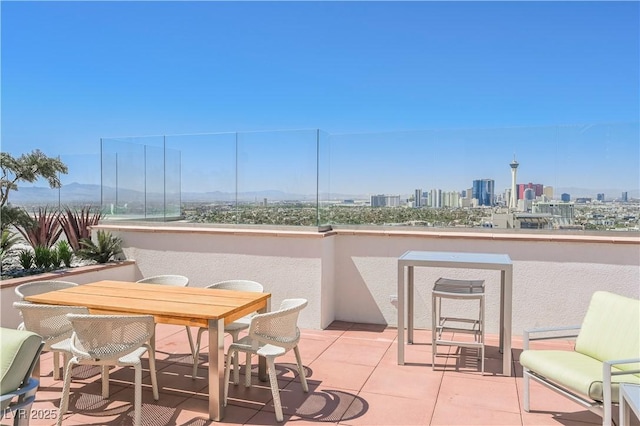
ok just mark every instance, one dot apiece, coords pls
pixel 410 303
pixel 507 318
pixel 501 330
pixel 400 315
pixel 216 369
pixel 262 361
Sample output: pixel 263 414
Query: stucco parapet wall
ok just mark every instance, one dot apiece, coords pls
pixel 185 228
pixel 64 274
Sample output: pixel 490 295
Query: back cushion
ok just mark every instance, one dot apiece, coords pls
pixel 17 352
pixel 611 329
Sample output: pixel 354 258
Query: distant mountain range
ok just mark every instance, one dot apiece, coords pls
pixel 91 193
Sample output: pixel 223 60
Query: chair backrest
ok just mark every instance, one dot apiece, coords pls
pixel 49 321
pixel 109 337
pixel 176 280
pixel 610 329
pixel 238 285
pixel 18 353
pixel 39 287
pixel 278 328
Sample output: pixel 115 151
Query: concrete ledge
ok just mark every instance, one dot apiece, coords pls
pixel 307 232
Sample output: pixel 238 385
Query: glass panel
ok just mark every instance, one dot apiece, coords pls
pixel 325 198
pixel 277 178
pixel 203 183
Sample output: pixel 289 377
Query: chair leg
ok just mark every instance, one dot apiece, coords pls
pixel 64 401
pixel 303 379
pixel 105 381
pixel 433 332
pixel 525 392
pixel 190 339
pixel 66 356
pixel 36 369
pixel 235 336
pixel 56 365
pixel 226 376
pixel 152 372
pixel 275 390
pixel 137 416
pixel 247 371
pixel 195 350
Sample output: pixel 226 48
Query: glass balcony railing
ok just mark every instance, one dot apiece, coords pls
pixel 573 176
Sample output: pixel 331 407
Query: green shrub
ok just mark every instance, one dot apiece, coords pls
pixel 42 257
pixel 108 247
pixel 26 259
pixel 64 252
pixel 55 261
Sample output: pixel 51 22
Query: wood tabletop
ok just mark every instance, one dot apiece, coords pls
pixel 191 306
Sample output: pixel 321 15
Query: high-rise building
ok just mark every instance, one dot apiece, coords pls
pixel 600 197
pixel 565 197
pixel 484 192
pixel 385 200
pixel 625 197
pixel 548 192
pixel 538 189
pixel 435 199
pixel 514 168
pixel 417 198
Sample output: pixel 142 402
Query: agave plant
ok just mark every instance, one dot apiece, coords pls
pixel 45 229
pixel 108 247
pixel 76 223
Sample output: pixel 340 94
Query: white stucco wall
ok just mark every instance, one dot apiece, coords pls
pixel 552 281
pixel 350 275
pixel 287 266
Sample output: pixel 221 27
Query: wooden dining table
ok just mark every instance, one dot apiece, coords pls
pixel 189 306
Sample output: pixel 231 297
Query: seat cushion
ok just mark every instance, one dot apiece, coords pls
pixel 17 352
pixel 574 371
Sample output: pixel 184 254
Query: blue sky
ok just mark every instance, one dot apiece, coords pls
pixel 75 72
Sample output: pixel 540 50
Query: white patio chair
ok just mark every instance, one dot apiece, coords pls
pixel 270 335
pixel 51 323
pixel 105 340
pixel 174 280
pixel 235 327
pixel 39 287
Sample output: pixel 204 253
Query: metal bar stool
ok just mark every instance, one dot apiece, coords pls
pixel 446 288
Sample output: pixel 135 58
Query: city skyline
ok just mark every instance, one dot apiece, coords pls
pixel 556 83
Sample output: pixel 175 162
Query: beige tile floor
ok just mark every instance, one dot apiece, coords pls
pixel 353 379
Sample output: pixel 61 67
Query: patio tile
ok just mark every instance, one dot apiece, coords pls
pixel 195 411
pixel 453 413
pixel 310 350
pixel 356 351
pixel 336 374
pixel 375 332
pixel 468 392
pixel 422 383
pixel 376 409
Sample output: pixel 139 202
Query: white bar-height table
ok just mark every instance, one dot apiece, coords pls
pixel 629 401
pixel 498 262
